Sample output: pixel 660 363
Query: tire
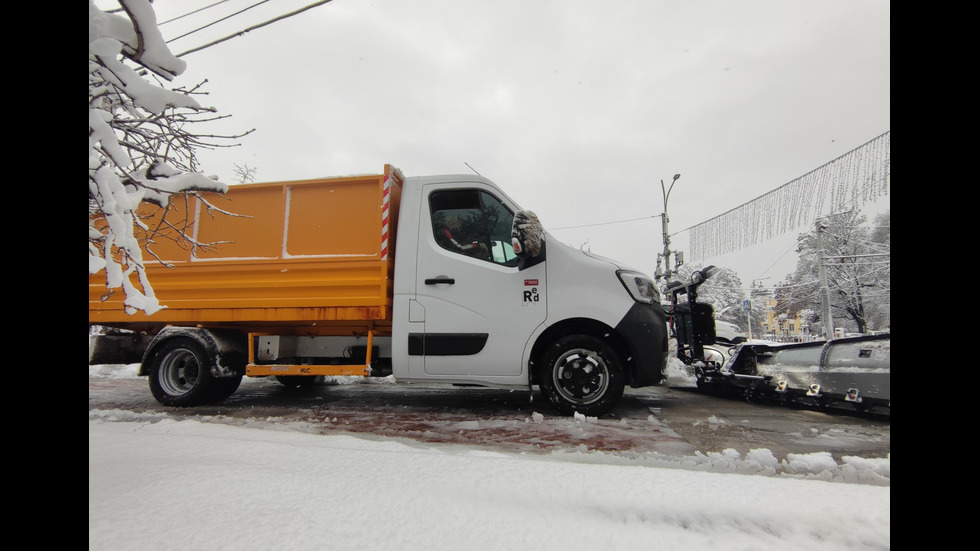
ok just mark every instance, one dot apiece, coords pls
pixel 180 375
pixel 581 374
pixel 296 381
pixel 225 387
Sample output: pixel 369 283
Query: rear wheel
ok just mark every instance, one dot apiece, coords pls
pixel 180 375
pixel 225 387
pixel 581 374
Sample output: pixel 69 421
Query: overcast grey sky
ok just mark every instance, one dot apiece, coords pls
pixel 577 109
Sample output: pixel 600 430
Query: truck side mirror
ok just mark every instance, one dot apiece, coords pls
pixel 526 234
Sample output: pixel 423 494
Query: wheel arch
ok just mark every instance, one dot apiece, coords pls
pixel 226 348
pixel 582 326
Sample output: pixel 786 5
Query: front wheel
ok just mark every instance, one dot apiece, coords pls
pixel 581 374
pixel 180 375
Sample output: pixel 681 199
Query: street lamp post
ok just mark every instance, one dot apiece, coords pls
pixel 666 254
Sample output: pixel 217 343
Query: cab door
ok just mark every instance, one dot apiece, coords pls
pixel 479 307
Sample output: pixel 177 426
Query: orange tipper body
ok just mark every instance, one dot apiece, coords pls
pixel 304 257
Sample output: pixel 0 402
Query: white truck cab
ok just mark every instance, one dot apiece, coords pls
pixel 480 300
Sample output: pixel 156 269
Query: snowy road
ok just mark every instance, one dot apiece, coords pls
pixel 675 421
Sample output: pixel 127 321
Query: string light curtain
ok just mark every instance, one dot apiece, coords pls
pixel 857 177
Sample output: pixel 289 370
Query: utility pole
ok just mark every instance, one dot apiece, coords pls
pixel 666 254
pixel 747 306
pixel 828 326
pixel 755 291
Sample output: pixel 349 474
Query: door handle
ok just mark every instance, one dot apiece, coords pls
pixel 439 280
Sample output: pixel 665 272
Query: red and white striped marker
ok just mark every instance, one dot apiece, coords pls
pixel 385 204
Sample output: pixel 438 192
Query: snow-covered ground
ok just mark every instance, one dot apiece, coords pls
pixel 160 483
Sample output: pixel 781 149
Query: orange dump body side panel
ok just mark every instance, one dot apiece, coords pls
pixel 307 254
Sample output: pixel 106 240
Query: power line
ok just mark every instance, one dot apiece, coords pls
pixel 253 27
pixel 215 22
pixel 199 10
pixel 606 223
pixel 790 249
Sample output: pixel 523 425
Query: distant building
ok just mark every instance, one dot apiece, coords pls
pixel 789 329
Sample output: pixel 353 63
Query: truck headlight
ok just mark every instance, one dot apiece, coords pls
pixel 640 287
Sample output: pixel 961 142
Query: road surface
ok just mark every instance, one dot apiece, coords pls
pixel 671 420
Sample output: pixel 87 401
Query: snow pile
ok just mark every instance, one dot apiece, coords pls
pixel 270 484
pixel 246 488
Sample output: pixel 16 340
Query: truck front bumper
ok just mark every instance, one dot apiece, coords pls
pixel 644 328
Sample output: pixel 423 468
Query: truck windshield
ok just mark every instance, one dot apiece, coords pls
pixel 473 223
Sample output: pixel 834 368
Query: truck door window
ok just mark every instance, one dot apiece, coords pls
pixel 473 223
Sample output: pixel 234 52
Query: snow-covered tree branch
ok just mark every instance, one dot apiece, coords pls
pixel 140 146
pixel 858 272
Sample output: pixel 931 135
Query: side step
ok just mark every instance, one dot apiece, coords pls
pixel 253 369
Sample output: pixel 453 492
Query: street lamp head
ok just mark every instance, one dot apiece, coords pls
pixel 666 190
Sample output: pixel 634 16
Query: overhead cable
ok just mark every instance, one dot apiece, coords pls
pixel 253 27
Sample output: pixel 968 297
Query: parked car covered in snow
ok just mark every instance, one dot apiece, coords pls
pixel 729 333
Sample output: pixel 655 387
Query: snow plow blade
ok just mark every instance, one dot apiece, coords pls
pixel 852 372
